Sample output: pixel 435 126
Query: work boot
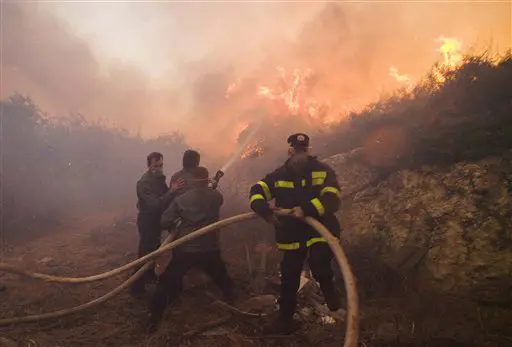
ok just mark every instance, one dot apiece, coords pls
pixel 138 291
pixel 230 297
pixel 282 325
pixel 153 323
pixel 332 299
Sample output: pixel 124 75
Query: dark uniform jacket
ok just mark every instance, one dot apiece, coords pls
pixel 187 176
pixel 194 209
pixel 153 194
pixel 314 188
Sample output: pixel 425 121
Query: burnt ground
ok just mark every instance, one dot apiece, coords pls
pixel 392 314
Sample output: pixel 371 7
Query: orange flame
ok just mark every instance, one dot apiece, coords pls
pixel 291 94
pixel 451 49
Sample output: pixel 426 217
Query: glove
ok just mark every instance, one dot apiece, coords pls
pixel 297 212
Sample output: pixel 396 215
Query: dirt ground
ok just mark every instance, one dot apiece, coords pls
pixel 396 318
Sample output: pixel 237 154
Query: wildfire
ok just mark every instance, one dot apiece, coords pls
pixel 291 93
pixel 451 49
pixel 253 151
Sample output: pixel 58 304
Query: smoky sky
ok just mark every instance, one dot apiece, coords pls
pixel 350 47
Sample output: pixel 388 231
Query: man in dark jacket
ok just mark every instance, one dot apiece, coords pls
pixel 196 208
pixel 153 197
pixel 308 187
pixel 191 161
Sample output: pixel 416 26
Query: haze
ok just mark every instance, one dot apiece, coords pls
pixel 155 68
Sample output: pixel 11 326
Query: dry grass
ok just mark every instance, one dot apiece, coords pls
pixel 83 251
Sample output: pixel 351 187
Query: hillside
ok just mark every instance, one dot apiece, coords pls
pixel 57 168
pixel 426 223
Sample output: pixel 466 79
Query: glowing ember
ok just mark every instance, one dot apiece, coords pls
pixel 252 151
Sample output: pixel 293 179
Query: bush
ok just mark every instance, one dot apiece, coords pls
pixel 450 116
pixel 61 167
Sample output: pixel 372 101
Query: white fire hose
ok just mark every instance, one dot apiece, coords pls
pixel 352 326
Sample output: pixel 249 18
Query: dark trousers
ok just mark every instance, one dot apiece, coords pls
pixel 319 259
pixel 149 241
pixel 170 284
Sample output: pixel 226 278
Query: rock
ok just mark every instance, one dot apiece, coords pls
pixel 262 303
pixel 456 219
pixel 45 260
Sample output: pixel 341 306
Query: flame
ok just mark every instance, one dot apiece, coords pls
pixel 290 94
pixel 451 49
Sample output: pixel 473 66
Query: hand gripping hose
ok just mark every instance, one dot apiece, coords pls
pixel 352 326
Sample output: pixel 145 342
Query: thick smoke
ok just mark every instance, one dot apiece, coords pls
pixel 208 46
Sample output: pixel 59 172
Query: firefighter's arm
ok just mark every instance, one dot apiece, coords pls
pixel 260 194
pixel 328 200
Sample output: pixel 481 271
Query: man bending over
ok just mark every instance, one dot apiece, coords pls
pixel 196 208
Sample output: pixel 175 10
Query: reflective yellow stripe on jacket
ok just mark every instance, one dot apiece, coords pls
pixel 319 206
pixel 330 190
pixel 266 190
pixel 318 177
pixel 256 197
pixel 284 184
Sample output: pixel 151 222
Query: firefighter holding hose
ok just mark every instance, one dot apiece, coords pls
pixel 308 187
pixel 198 207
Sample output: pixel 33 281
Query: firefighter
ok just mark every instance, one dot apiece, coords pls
pixel 308 187
pixel 198 207
pixel 191 161
pixel 153 197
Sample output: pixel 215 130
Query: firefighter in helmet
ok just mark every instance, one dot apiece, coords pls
pixel 308 187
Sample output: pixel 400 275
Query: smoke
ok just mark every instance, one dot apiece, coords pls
pixel 200 49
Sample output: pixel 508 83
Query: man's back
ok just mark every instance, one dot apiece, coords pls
pixel 184 174
pixel 199 206
pixel 195 209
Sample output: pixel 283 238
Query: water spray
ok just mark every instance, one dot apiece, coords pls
pixel 239 150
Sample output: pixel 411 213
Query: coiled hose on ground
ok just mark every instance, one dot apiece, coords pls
pixel 352 326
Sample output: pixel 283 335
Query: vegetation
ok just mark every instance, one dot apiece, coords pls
pixel 450 116
pixel 63 167
pixel 60 167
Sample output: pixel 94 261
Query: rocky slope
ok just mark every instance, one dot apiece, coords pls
pixel 449 226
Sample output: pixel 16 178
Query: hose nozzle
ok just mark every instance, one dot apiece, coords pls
pixel 216 179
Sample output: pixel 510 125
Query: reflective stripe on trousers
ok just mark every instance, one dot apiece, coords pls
pixel 296 245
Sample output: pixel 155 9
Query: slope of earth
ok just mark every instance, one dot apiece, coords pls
pixel 391 320
pixel 453 223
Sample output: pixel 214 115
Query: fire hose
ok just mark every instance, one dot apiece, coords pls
pixel 352 326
